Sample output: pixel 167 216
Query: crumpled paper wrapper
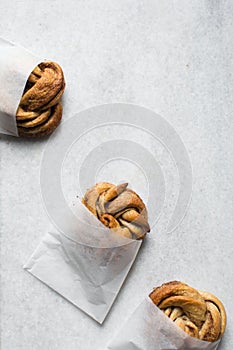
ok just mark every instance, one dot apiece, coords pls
pixel 149 329
pixel 16 64
pixel 86 262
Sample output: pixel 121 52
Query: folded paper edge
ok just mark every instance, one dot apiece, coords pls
pixel 100 319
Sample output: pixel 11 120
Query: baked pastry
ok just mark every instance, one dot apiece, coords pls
pixel 40 109
pixel 200 314
pixel 118 208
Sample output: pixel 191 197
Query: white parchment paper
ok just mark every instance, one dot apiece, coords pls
pixel 16 64
pixel 85 262
pixel 149 329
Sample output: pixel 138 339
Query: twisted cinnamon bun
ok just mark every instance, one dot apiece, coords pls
pixel 40 109
pixel 118 208
pixel 199 314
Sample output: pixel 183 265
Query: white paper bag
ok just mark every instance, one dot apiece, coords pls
pixel 16 64
pixel 149 329
pixel 84 261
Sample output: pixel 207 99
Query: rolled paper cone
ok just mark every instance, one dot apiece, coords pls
pixel 148 328
pixel 30 92
pixel 16 64
pixel 85 262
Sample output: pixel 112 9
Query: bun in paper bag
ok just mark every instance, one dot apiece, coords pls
pixel 40 109
pixel 199 314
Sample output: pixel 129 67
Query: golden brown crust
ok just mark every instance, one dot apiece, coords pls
pixel 49 83
pixel 40 110
pixel 118 208
pixel 37 120
pixel 200 314
pixel 47 127
pixel 214 307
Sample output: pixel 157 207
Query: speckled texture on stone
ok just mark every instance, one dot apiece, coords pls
pixel 175 57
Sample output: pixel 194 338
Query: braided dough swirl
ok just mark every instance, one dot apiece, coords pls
pixel 118 208
pixel 40 109
pixel 200 314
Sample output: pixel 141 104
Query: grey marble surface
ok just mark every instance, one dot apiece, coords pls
pixel 174 57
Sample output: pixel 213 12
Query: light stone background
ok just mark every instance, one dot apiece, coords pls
pixel 174 57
